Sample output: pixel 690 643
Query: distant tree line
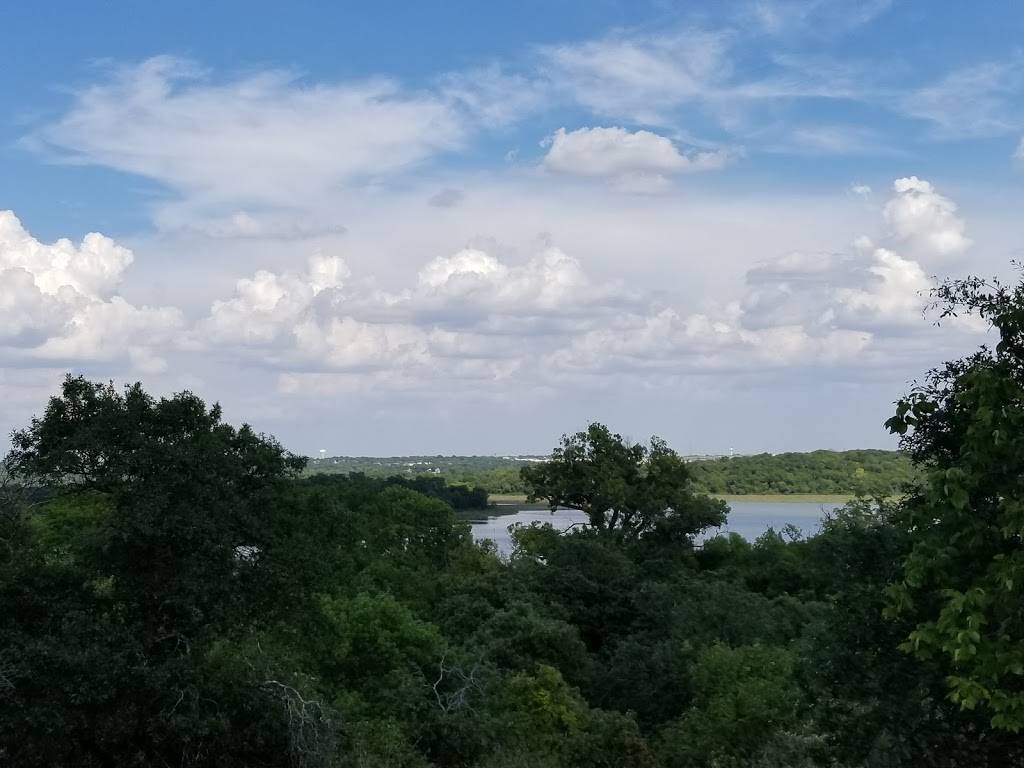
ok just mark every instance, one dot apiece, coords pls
pixel 459 497
pixel 863 472
pixel 493 474
pixel 857 472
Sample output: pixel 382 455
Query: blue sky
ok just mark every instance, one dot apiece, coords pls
pixel 469 227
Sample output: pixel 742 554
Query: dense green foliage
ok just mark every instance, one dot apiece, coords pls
pixel 458 497
pixel 628 492
pixel 961 586
pixel 865 472
pixel 176 592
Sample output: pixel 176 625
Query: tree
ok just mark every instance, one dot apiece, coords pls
pixel 743 698
pixel 139 575
pixel 184 495
pixel 877 706
pixel 627 491
pixel 962 579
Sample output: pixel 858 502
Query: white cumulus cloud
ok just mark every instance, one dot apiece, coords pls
pixel 550 282
pixel 484 317
pixel 895 292
pixel 92 268
pixel 57 302
pixel 832 308
pixel 925 220
pixel 623 155
pixel 267 306
pixel 466 314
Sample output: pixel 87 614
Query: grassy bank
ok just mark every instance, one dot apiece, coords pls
pixel 771 498
pixel 506 498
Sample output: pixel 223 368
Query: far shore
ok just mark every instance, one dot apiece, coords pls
pixel 506 499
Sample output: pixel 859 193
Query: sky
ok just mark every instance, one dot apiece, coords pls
pixel 463 227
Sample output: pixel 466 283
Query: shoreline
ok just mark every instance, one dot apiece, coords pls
pixel 508 499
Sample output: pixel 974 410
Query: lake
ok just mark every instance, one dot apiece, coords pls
pixel 747 518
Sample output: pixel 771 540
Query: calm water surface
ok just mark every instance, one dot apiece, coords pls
pixel 748 518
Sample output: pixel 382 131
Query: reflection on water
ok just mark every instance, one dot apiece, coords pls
pixel 747 518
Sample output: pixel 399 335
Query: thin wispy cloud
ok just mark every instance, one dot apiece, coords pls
pixel 986 99
pixel 266 139
pixel 810 17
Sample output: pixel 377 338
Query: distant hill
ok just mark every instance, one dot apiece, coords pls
pixel 872 472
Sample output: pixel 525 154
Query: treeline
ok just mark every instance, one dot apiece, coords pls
pixel 493 474
pixel 458 497
pixel 861 472
pixel 857 472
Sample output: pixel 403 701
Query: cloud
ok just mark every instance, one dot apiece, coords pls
pixel 467 271
pixel 493 96
pixel 466 313
pixel 485 314
pixel 803 310
pixel 267 139
pixel 477 316
pixel 975 101
pixel 795 289
pixel 268 306
pixel 816 308
pixel 727 72
pixel 299 321
pixel 686 75
pixel 895 292
pixel 640 78
pixel 884 288
pixel 492 324
pixel 701 343
pixel 619 154
pixel 57 302
pixel 91 269
pixel 242 225
pixel 817 17
pixel 446 198
pixel 275 156
pixel 873 288
pixel 114 330
pixel 924 220
pixel 834 140
pixel 475 285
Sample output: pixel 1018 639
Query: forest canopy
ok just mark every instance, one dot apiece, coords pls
pixel 178 592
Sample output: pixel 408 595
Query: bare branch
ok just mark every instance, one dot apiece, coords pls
pixel 7 674
pixel 309 725
pixel 573 525
pixel 466 684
